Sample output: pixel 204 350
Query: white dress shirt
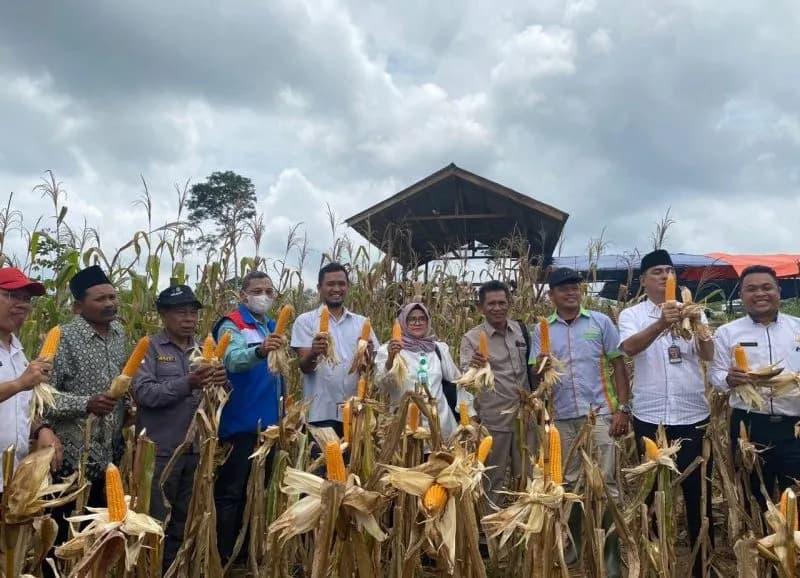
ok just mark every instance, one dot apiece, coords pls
pixel 15 422
pixel 437 371
pixel 663 392
pixel 330 385
pixel 777 342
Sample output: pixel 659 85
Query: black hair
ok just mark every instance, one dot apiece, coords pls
pixel 753 269
pixel 331 268
pixel 491 286
pixel 252 276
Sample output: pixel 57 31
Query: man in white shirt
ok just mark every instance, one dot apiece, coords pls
pixel 767 337
pixel 17 376
pixel 668 386
pixel 327 386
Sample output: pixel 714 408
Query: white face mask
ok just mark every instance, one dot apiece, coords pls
pixel 259 304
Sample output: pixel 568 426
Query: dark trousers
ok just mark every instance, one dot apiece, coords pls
pixel 331 423
pixel 230 491
pixel 691 448
pixel 178 492
pixel 780 457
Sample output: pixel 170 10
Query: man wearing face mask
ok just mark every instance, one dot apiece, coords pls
pixel 253 402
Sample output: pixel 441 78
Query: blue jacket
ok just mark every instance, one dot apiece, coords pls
pixel 255 391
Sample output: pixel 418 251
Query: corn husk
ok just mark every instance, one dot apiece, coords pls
pixel 477 379
pixel 43 398
pixel 279 360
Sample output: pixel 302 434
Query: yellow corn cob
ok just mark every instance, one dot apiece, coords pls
pixel 484 449
pixel 115 495
pixel 135 360
pixel 50 345
pixel 324 320
pixel 483 344
pixel 671 289
pixel 208 348
pixel 334 462
pixel 784 508
pixel 740 357
pixel 397 332
pixel 366 330
pixel 544 339
pixel 222 345
pixel 287 311
pixel 362 388
pixel 556 473
pixel 347 418
pixel 413 416
pixel 650 448
pixel 463 414
pixel 435 498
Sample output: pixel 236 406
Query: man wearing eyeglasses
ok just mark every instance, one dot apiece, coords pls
pixel 17 376
pixel 253 402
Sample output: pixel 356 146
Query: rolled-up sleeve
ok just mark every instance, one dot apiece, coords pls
pixel 150 391
pixel 239 356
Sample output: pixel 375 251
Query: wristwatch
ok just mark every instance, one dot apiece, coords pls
pixel 624 408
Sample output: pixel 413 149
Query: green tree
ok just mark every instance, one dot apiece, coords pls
pixel 227 199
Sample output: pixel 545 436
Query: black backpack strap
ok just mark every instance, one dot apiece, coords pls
pixel 449 388
pixel 526 335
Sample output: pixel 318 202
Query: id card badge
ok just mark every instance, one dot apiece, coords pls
pixel 674 354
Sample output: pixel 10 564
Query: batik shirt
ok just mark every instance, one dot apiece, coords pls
pixel 84 366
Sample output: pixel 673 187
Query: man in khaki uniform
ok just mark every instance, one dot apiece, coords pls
pixel 497 409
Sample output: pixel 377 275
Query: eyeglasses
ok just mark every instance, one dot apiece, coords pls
pixel 417 320
pixel 18 296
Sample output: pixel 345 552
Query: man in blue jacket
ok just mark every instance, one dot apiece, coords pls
pixel 253 402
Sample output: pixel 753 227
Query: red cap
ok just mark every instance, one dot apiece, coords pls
pixel 12 279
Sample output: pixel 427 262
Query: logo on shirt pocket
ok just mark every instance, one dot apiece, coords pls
pixel 592 335
pixel 166 358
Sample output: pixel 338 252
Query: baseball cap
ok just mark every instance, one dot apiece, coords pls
pixel 564 276
pixel 177 295
pixel 12 279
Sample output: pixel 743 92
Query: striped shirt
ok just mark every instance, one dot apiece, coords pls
pixel 585 347
pixel 664 392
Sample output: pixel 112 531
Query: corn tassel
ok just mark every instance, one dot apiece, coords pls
pixel 544 336
pixel 671 288
pixel 135 360
pixel 463 414
pixel 115 495
pixel 435 498
pixel 324 320
pixel 397 332
pixel 208 348
pixel 484 449
pixel 740 357
pixel 483 344
pixel 222 345
pixel 413 416
pixel 366 330
pixel 50 345
pixel 347 420
pixel 334 462
pixel 650 449
pixel 556 473
pixel 287 312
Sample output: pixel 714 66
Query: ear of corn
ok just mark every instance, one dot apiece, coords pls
pixel 740 358
pixel 208 348
pixel 115 495
pixel 366 330
pixel 222 345
pixel 413 416
pixel 135 360
pixel 287 312
pixel 556 473
pixel 347 420
pixel 397 331
pixel 483 344
pixel 544 336
pixel 362 388
pixel 463 414
pixel 334 462
pixel 50 345
pixel 484 449
pixel 650 448
pixel 324 320
pixel 435 498
pixel 671 289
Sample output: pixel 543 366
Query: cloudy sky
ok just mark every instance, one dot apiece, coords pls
pixel 611 110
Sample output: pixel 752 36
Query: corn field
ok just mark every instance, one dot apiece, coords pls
pixel 383 508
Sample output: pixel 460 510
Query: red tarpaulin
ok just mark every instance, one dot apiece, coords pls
pixel 785 265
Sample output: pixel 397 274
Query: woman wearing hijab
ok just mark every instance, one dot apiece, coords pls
pixel 419 347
